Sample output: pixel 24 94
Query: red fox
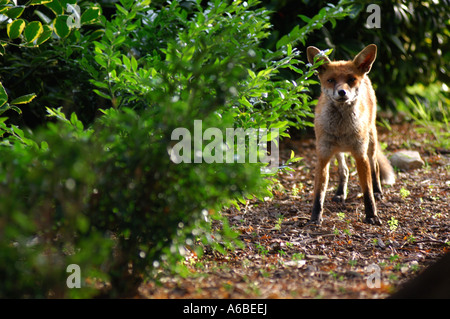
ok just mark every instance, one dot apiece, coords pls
pixel 345 122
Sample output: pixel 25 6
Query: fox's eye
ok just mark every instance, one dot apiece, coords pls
pixel 330 80
pixel 351 80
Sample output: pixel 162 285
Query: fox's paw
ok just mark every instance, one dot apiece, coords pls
pixel 338 199
pixel 374 220
pixel 378 196
pixel 314 222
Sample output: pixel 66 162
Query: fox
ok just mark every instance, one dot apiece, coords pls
pixel 345 122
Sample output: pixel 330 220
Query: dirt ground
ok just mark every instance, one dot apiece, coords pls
pixel 344 258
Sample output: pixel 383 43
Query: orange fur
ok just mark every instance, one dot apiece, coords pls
pixel 345 122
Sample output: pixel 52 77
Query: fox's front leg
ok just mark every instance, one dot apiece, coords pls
pixel 320 188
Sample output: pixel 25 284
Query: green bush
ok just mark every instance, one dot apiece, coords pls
pixel 60 206
pixel 105 194
pixel 41 56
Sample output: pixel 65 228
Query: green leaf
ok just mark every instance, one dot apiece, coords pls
pixel 289 49
pixel 15 12
pixel 304 18
pixel 127 3
pixel 37 2
pixel 64 3
pixel 45 35
pixel 96 34
pixel 24 99
pixel 60 26
pixel 134 64
pixel 144 3
pixel 90 15
pixel 15 108
pixel 43 17
pixel 44 146
pixel 3 95
pixel 119 40
pixel 2 48
pixel 33 30
pixel 15 28
pixel 76 122
pixel 5 107
pixel 3 7
pixel 126 62
pixel 56 7
pixel 103 95
pixel 100 60
pixel 122 10
pixel 279 124
pixel 56 113
pixel 100 84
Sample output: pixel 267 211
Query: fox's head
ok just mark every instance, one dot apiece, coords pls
pixel 340 80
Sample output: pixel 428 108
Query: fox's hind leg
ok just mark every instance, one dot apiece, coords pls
pixel 375 167
pixel 365 179
pixel 341 192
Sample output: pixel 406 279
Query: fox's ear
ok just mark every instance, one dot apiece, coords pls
pixel 311 52
pixel 365 58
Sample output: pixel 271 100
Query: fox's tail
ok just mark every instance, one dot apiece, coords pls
pixel 386 171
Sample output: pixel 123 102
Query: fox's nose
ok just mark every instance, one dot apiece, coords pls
pixel 342 93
